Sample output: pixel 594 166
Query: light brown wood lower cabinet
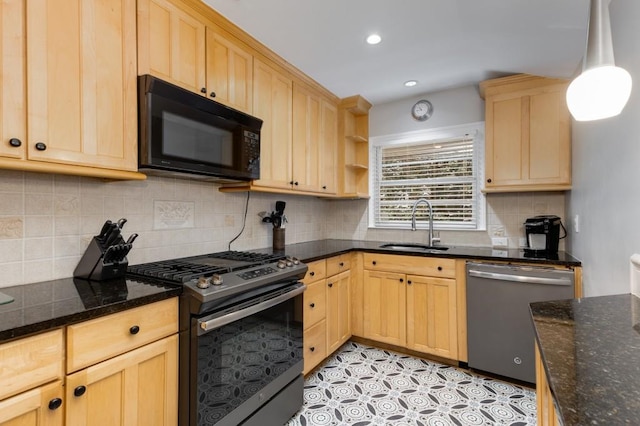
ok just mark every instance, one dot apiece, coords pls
pixel 35 407
pixel 338 310
pixel 546 410
pixel 139 387
pixel 432 325
pixel 411 302
pixel 385 299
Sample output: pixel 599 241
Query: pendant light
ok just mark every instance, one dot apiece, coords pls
pixel 602 90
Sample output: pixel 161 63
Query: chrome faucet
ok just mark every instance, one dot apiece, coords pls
pixel 413 219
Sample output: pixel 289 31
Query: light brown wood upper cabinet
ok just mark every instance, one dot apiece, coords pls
pixel 171 44
pixel 272 102
pixel 314 137
pixel 81 80
pixel 229 70
pixel 13 124
pixel 528 134
pixel 178 45
pixel 68 98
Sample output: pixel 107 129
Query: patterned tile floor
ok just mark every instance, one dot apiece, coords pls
pixel 361 385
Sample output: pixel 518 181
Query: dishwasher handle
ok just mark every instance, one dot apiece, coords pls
pixel 519 278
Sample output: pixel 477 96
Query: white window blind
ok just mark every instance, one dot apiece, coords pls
pixel 444 171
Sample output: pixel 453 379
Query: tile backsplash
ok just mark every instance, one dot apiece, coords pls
pixel 47 221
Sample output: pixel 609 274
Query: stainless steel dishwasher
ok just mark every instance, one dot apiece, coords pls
pixel 499 326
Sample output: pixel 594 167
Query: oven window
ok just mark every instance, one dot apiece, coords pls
pixel 236 361
pixel 196 141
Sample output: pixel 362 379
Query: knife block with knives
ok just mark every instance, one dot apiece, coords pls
pixel 106 256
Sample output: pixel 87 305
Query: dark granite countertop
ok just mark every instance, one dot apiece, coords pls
pixel 590 348
pixel 316 250
pixel 46 305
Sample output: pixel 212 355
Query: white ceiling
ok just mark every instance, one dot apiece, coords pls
pixel 441 43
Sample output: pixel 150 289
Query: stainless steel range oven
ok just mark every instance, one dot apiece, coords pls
pixel 241 354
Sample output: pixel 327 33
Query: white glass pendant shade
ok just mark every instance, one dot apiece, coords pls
pixel 602 90
pixel 599 93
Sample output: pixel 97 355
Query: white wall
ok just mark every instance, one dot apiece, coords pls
pixel 506 213
pixel 450 107
pixel 606 174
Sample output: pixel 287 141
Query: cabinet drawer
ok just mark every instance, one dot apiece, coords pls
pixel 338 264
pixel 428 266
pixel 317 271
pixel 105 337
pixel 30 362
pixel 315 303
pixel 315 345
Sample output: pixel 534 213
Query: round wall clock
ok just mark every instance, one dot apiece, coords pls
pixel 422 110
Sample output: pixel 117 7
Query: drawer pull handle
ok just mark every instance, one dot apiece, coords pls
pixel 313 305
pixel 374 262
pixel 341 264
pixel 55 403
pixel 439 268
pixel 312 348
pixel 80 390
pixel 134 330
pixel 330 285
pixel 312 273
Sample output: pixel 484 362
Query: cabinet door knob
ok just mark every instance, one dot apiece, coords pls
pixel 290 182
pixel 41 146
pixel 312 348
pixel 15 142
pixel 312 273
pixel 324 187
pixel 489 180
pixel 341 264
pixel 134 330
pixel 330 285
pixel 80 390
pixel 295 183
pixel 401 280
pixel 55 403
pixel 212 94
pixel 203 90
pixel 439 268
pixel 409 282
pixel 313 305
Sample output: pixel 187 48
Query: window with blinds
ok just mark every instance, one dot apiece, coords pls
pixel 445 171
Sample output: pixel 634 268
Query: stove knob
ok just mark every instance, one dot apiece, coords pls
pixel 295 260
pixel 216 279
pixel 203 282
pixel 289 263
pixel 281 264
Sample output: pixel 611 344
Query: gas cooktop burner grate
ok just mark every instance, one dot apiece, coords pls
pixel 183 270
pixel 246 256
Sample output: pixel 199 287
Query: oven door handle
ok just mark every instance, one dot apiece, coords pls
pixel 205 325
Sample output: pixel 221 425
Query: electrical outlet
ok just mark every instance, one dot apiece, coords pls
pixel 576 223
pixel 499 241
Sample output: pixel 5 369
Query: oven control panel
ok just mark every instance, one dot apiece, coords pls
pixel 255 273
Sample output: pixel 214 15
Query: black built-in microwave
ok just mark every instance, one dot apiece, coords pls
pixel 181 132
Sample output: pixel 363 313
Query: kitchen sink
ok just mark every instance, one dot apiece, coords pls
pixel 413 247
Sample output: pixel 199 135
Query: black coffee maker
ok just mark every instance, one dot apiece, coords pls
pixel 543 235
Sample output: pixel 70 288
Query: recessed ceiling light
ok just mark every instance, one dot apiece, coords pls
pixel 410 83
pixel 374 39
